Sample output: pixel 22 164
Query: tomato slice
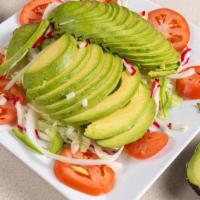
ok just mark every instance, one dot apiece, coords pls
pixel 189 87
pixel 8 114
pixel 98 179
pixel 33 11
pixel 173 25
pixel 148 146
pixel 15 93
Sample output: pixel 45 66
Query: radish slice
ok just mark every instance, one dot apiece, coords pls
pixel 155 85
pixel 30 126
pixel 155 93
pixel 185 56
pixel 49 8
pixel 168 126
pixel 183 74
pixel 84 44
pixel 144 14
pixel 178 127
pixel 129 67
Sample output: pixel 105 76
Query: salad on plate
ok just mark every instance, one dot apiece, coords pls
pixel 84 81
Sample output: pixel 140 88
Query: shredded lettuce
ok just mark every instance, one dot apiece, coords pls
pixel 168 97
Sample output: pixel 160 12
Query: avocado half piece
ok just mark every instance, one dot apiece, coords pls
pixel 193 170
pixel 23 39
pixel 120 31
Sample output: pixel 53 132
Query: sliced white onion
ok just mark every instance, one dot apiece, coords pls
pixel 71 95
pixel 116 166
pixel 30 127
pixel 20 113
pixel 66 22
pixel 75 145
pixel 84 103
pixel 49 8
pixel 98 150
pixel 183 74
pixel 123 3
pixel 3 100
pixel 5 128
pixel 43 136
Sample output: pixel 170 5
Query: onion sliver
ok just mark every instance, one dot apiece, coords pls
pixel 30 127
pixel 183 74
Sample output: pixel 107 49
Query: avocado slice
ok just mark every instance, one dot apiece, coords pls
pixel 23 39
pixel 86 74
pixel 193 170
pixel 136 132
pixel 87 89
pixel 80 59
pixel 122 120
pixel 137 41
pixel 51 61
pixel 118 99
pixel 108 85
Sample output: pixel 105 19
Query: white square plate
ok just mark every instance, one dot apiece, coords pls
pixel 137 176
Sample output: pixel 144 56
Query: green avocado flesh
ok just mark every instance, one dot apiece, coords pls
pixel 85 75
pixel 23 39
pixel 105 88
pixel 136 132
pixel 104 74
pixel 122 120
pixel 121 31
pixel 193 170
pixel 82 57
pixel 51 61
pixel 128 87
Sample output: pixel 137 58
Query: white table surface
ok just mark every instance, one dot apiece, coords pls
pixel 18 182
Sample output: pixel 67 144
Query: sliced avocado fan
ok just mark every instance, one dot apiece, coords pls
pixel 123 119
pixel 23 39
pixel 193 170
pixel 136 132
pixel 120 31
pixel 116 100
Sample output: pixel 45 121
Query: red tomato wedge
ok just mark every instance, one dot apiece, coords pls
pixel 15 93
pixel 8 114
pixel 189 87
pixel 148 146
pixel 95 181
pixel 33 11
pixel 173 25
